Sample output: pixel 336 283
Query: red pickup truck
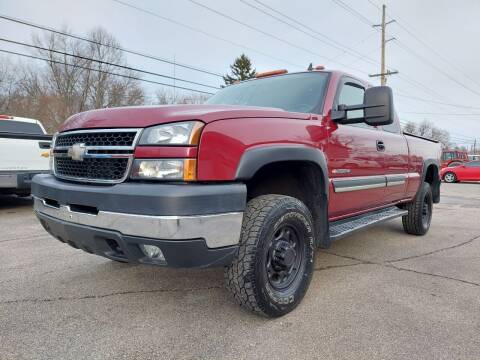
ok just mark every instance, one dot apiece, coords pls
pixel 255 180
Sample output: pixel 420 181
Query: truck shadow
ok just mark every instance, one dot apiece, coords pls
pixel 11 201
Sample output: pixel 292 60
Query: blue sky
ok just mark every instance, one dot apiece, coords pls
pixel 449 74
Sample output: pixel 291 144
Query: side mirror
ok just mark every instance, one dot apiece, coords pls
pixel 378 103
pixel 377 108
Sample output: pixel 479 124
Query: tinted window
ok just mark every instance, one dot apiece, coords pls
pixel 351 94
pixel 473 164
pixel 21 127
pixel 302 92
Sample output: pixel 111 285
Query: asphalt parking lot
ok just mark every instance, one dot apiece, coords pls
pixel 380 294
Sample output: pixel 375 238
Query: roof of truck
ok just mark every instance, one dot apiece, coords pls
pixel 22 119
pixel 18 118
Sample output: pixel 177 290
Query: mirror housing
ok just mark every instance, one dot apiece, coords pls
pixel 377 108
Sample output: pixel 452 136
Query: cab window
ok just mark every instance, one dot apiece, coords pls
pixel 352 94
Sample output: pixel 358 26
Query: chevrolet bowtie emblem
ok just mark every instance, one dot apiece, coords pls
pixel 77 152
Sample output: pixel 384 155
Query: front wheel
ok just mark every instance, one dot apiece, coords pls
pixel 419 217
pixel 450 177
pixel 275 260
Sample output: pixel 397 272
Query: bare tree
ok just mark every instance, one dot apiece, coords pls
pixel 410 127
pixel 79 76
pixel 429 130
pixel 166 97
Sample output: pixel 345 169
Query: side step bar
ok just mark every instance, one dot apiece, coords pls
pixel 342 228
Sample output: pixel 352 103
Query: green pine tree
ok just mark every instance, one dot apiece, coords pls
pixel 241 70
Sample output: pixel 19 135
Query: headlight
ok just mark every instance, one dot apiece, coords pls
pixel 180 133
pixel 164 169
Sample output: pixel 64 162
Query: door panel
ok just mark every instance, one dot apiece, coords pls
pixel 396 165
pixel 470 171
pixel 355 169
pixel 355 165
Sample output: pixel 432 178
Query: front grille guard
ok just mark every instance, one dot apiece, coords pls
pixel 123 152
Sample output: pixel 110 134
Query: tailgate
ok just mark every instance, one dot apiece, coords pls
pixel 24 153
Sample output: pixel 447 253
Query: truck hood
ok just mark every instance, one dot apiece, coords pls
pixel 143 116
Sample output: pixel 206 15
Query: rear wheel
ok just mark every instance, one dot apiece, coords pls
pixel 450 177
pixel 419 217
pixel 274 265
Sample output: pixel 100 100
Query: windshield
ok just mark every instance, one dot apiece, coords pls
pixel 303 92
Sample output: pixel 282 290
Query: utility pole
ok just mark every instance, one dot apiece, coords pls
pixel 383 71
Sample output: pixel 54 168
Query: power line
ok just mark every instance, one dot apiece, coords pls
pixel 403 77
pixel 415 35
pixel 102 71
pixel 437 113
pixel 270 35
pixel 437 102
pixel 429 63
pixel 323 38
pixel 352 11
pixel 355 45
pixel 106 63
pixel 426 61
pixel 273 36
pixel 194 29
pixel 133 52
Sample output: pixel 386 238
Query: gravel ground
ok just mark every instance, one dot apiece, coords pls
pixel 379 294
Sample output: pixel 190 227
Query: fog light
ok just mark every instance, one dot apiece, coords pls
pixel 153 252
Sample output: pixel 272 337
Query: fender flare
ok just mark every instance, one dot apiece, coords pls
pixel 256 158
pixel 437 182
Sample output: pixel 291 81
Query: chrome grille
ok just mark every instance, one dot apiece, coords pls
pixel 96 156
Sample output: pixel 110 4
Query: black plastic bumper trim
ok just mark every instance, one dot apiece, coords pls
pixel 145 198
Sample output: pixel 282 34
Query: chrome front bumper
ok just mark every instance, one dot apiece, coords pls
pixel 218 230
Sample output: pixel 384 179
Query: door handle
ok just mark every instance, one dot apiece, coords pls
pixel 380 145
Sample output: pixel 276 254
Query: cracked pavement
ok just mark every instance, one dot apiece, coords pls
pixel 377 294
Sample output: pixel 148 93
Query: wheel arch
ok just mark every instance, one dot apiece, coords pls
pixel 295 170
pixel 431 175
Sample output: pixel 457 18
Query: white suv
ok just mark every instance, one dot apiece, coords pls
pixel 24 152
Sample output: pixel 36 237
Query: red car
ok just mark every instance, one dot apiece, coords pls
pixel 466 172
pixel 256 179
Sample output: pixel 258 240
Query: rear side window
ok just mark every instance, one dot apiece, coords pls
pixel 20 127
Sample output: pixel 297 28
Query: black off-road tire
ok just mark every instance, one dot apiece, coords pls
pixel 419 217
pixel 249 277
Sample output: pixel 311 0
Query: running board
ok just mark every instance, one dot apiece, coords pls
pixel 342 228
